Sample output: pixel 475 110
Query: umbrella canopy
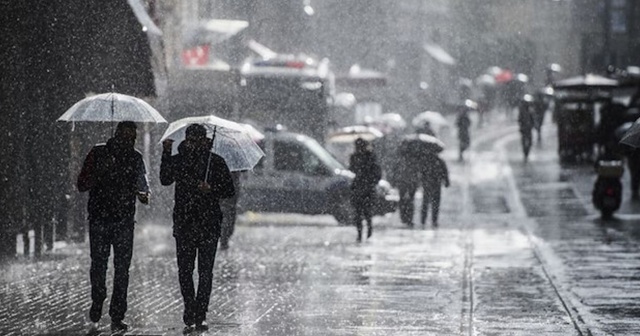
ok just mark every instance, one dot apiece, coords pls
pixel 632 136
pixel 112 107
pixel 389 122
pixel 434 118
pixel 588 81
pixel 351 133
pixel 503 76
pixel 418 144
pixel 622 130
pixel 253 132
pixel 231 140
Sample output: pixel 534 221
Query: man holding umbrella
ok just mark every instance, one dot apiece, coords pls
pixel 201 179
pixel 114 174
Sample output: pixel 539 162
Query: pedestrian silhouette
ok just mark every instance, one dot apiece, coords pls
pixel 433 175
pixel 114 174
pixel 364 165
pixel 526 123
pixel 408 167
pixel 463 122
pixel 201 179
pixel 540 106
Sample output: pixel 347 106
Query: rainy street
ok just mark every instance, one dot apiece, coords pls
pixel 141 139
pixel 509 257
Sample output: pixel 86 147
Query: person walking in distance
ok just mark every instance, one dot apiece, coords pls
pixel 364 165
pixel 526 123
pixel 201 179
pixel 114 174
pixel 434 174
pixel 463 121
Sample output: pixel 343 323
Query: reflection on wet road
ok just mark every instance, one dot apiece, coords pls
pixel 518 251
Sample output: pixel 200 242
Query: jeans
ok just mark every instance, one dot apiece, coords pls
pixel 187 249
pixel 102 235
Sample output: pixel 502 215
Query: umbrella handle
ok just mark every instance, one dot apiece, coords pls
pixel 213 138
pixel 112 108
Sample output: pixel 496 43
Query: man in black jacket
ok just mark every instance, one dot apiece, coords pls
pixel 114 174
pixel 201 179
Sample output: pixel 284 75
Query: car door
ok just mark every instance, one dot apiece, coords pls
pixel 289 180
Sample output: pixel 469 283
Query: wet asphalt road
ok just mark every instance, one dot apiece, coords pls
pixel 519 251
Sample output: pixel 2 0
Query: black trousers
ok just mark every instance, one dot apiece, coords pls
pixel 188 248
pixel 362 203
pixel 430 196
pixel 406 204
pixel 102 236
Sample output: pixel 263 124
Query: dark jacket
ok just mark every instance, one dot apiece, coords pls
pixel 367 170
pixel 526 119
pixel 434 172
pixel 463 122
pixel 113 174
pixel 196 212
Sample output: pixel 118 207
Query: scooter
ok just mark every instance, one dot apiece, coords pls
pixel 607 191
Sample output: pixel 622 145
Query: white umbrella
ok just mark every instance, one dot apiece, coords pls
pixel 349 134
pixel 418 144
pixel 112 107
pixel 388 122
pixel 231 140
pixel 435 119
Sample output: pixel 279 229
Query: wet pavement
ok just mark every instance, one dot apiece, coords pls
pixel 519 251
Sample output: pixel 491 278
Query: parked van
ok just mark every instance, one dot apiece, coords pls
pixel 298 175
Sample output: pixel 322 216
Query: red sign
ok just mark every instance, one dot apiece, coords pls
pixel 196 56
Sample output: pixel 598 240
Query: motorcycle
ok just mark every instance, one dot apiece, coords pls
pixel 607 191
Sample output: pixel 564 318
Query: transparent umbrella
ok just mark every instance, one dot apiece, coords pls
pixel 434 118
pixel 418 144
pixel 112 107
pixel 231 140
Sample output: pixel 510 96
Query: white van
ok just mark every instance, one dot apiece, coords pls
pixel 298 175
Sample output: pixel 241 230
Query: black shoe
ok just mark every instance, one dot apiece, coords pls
pixel 94 329
pixel 188 329
pixel 224 246
pixel 95 313
pixel 202 326
pixel 119 326
pixel 369 232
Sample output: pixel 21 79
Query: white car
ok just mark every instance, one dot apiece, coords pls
pixel 298 175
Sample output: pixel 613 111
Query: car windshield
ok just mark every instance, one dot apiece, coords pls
pixel 323 154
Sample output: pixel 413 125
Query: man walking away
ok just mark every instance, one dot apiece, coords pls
pixel 463 122
pixel 408 167
pixel 434 174
pixel 114 174
pixel 363 163
pixel 526 123
pixel 201 179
